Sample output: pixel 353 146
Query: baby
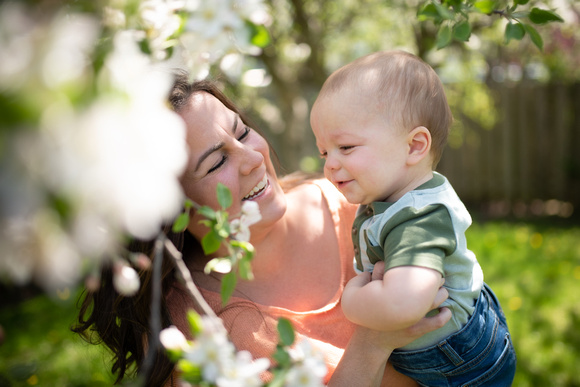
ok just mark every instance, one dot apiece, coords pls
pixel 381 124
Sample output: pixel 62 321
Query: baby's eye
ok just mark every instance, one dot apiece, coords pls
pixel 346 147
pixel 322 155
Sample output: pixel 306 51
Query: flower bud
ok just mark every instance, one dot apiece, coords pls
pixel 172 339
pixel 125 280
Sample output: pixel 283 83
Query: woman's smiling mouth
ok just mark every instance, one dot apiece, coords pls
pixel 258 189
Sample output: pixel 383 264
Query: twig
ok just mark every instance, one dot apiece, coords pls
pixel 155 317
pixel 187 280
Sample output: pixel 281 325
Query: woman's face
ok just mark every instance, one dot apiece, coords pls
pixel 224 150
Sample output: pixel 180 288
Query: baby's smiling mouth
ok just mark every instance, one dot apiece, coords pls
pixel 258 189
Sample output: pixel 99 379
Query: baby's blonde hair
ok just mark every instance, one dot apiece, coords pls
pixel 406 90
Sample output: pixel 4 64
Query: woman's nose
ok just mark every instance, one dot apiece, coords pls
pixel 252 158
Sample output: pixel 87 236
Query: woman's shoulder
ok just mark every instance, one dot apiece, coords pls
pixel 317 191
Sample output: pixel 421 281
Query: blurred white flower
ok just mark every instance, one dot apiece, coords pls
pixel 250 214
pixel 114 18
pixel 211 350
pixel 172 339
pixel 68 47
pixel 244 372
pixel 220 364
pixel 36 248
pixel 125 279
pixel 309 367
pixel 231 65
pixel 160 22
pixel 212 18
pixel 254 10
pixel 16 44
pixel 120 159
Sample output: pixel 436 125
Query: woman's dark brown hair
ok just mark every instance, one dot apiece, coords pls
pixel 123 323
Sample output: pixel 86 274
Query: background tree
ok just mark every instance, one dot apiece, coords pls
pixel 309 39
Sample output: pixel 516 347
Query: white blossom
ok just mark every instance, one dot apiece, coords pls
pixel 244 372
pixel 250 214
pixel 172 338
pixel 309 367
pixel 160 22
pixel 212 351
pixel 125 280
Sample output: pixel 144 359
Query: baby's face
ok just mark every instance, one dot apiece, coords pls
pixel 366 158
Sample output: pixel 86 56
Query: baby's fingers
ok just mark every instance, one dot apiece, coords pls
pixel 440 297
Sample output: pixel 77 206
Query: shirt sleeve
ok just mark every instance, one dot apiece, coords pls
pixel 419 237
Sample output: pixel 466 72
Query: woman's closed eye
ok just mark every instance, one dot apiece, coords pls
pixel 218 164
pixel 246 132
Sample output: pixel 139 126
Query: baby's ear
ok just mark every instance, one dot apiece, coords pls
pixel 419 140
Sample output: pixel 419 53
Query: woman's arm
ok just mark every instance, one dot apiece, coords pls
pixel 364 360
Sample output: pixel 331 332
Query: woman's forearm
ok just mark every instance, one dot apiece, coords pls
pixel 362 364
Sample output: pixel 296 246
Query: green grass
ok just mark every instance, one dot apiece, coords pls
pixel 534 268
pixel 40 350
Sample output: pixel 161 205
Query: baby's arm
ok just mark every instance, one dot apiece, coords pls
pixel 402 299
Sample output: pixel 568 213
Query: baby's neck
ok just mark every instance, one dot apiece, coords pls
pixel 414 181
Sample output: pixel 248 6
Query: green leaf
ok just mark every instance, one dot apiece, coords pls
pixel 246 246
pixel 485 6
pixel 534 36
pixel 189 371
pixel 229 282
pixel 260 35
pixel 286 332
pixel 462 31
pixel 279 378
pixel 444 12
pixel 514 31
pixel 188 204
pixel 180 223
pixel 443 36
pixel 282 357
pixel 520 14
pixel 211 242
pixel 542 16
pixel 521 2
pixel 224 196
pixel 245 269
pixel 207 212
pixel 195 322
pixel 429 11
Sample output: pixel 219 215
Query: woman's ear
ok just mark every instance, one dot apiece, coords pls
pixel 419 140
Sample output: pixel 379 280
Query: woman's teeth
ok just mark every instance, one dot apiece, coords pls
pixel 257 189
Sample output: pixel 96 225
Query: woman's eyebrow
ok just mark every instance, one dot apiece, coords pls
pixel 217 146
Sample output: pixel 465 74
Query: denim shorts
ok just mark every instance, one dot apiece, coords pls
pixel 480 354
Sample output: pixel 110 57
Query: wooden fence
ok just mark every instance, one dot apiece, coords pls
pixel 530 158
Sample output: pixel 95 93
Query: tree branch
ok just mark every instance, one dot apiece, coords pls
pixel 186 278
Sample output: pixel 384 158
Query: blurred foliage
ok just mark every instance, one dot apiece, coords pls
pixel 40 350
pixel 309 39
pixel 533 267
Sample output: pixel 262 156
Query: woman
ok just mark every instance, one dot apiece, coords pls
pixel 302 262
